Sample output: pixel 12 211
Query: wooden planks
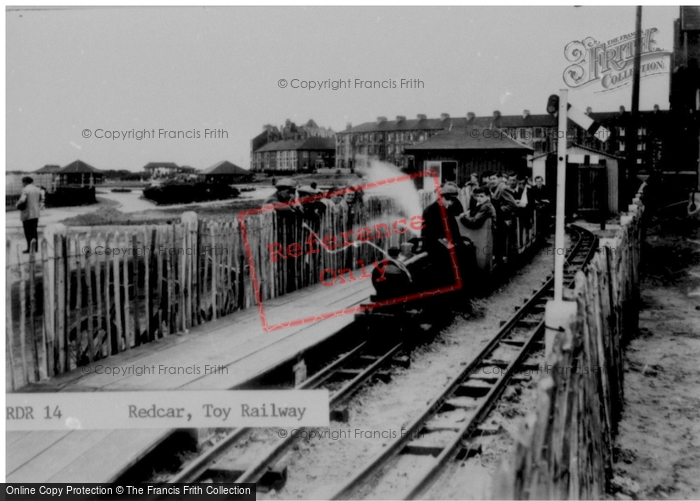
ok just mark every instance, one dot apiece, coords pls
pixel 565 448
pixel 88 295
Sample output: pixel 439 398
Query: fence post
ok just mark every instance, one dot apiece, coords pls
pixel 558 317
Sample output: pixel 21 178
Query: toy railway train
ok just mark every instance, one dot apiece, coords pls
pixel 419 287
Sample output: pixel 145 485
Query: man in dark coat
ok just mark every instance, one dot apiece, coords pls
pixel 434 230
pixel 30 204
pixel 484 210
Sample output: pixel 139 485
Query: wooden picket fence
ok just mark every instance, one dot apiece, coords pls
pixel 67 307
pixel 564 449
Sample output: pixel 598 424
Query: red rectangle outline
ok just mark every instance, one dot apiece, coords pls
pixel 360 308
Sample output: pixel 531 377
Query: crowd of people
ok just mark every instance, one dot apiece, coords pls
pixel 500 197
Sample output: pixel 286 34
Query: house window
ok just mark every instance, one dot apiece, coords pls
pixel 305 154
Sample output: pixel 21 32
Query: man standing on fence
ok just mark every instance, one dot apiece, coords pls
pixel 30 204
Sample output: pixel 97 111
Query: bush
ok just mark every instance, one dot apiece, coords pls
pixel 185 193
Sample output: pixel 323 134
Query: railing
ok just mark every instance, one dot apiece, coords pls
pixel 564 448
pixel 87 294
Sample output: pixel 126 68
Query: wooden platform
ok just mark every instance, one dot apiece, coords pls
pixel 237 342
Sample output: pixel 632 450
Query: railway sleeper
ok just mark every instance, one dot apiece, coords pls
pixel 342 374
pixel 228 471
pixel 489 429
pixel 494 362
pixel 473 389
pixel 417 449
pixel 485 378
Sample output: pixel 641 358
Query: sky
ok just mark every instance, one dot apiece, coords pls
pixel 75 74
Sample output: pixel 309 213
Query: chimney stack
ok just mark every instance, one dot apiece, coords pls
pixel 400 118
pixel 526 113
pixel 348 126
pixel 420 116
pixel 589 110
pixel 444 116
pixel 381 119
pixel 470 117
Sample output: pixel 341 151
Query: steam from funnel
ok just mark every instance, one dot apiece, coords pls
pixel 404 193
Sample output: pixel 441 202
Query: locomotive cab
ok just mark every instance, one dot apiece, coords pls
pixel 412 270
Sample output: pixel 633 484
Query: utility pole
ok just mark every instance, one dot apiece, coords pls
pixel 634 119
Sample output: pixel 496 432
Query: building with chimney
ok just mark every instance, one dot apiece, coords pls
pixel 387 140
pixel 288 139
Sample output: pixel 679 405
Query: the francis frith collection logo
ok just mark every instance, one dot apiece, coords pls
pixel 610 63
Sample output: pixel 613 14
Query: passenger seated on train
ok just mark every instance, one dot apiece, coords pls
pixel 286 192
pixel 540 193
pixel 437 245
pixel 502 199
pixel 313 210
pixel 484 210
pixel 472 184
pixel 434 230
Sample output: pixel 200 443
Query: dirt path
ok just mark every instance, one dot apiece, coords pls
pixel 658 446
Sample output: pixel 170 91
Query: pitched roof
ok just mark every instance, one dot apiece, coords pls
pixel 310 143
pixel 225 167
pixel 155 165
pixel 48 169
pixel 469 138
pixel 79 167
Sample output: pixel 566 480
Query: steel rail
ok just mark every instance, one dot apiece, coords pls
pixel 199 466
pixel 393 449
pixel 194 470
pixel 257 470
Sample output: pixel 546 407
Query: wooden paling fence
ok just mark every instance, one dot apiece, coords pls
pixel 92 293
pixel 565 447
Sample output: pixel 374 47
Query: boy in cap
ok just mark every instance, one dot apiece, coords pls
pixel 286 193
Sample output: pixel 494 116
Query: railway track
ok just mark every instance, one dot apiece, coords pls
pixel 450 427
pixel 347 374
pixel 343 378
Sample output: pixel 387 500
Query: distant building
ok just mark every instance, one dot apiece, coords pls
pixel 593 178
pixel 388 140
pixel 295 155
pixel 48 169
pixel 456 154
pixel 81 173
pixel 288 131
pixel 226 172
pixel 163 169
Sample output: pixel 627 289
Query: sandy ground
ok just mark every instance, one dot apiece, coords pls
pixel 658 446
pixel 318 466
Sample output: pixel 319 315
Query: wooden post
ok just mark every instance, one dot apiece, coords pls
pixel 135 280
pixel 117 294
pixel 9 329
pixel 108 304
pixel 128 332
pixel 86 258
pixel 98 296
